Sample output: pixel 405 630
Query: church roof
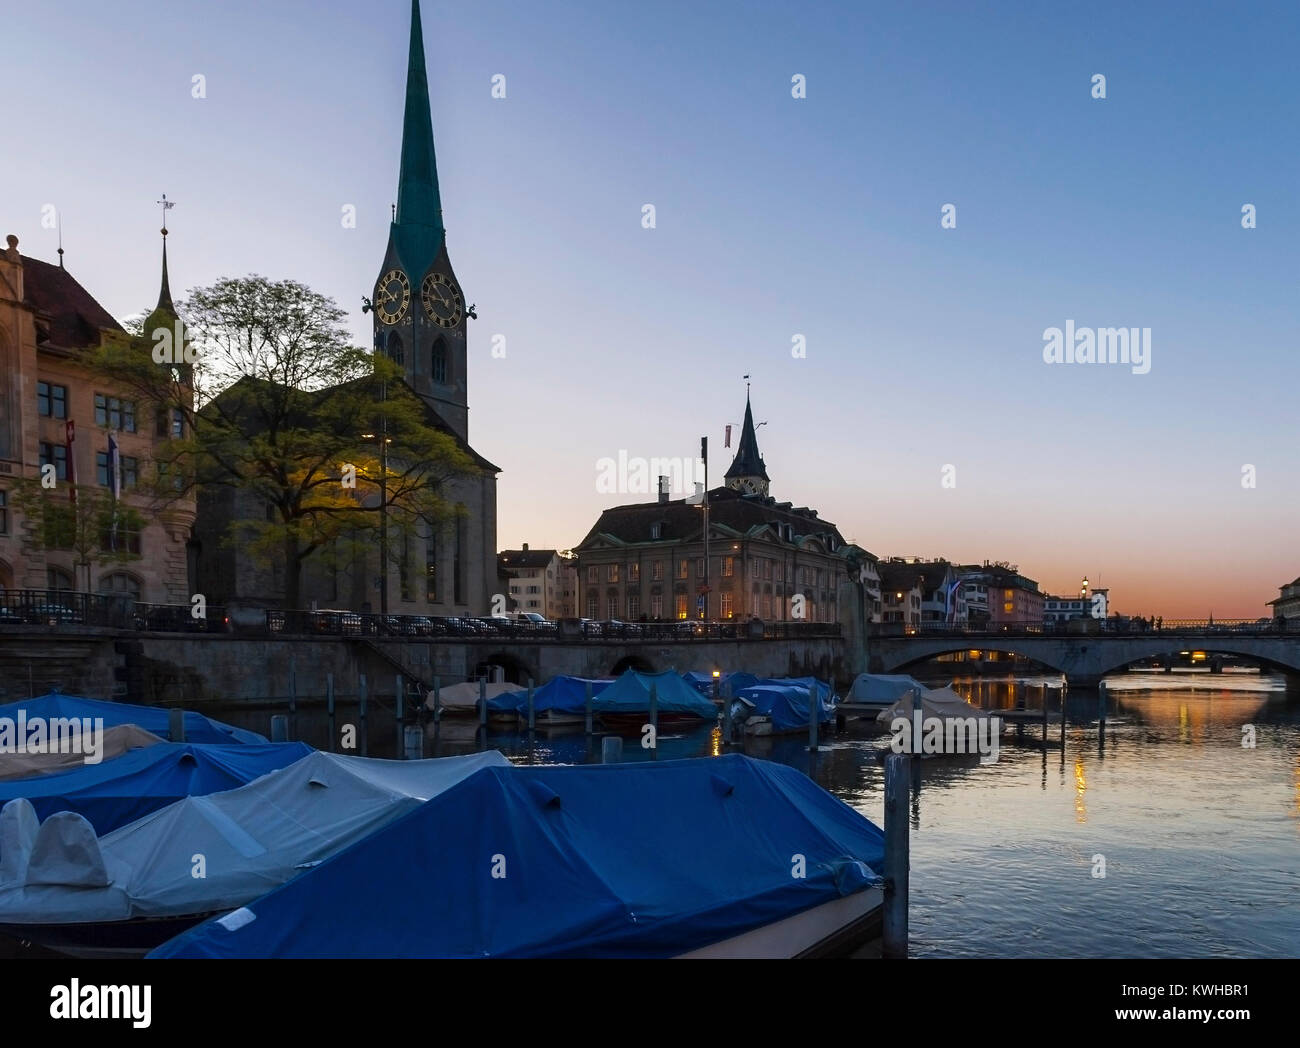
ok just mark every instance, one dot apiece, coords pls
pixel 417 231
pixel 67 316
pixel 684 522
pixel 748 462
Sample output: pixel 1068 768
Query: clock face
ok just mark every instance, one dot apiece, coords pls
pixel 442 300
pixel 392 296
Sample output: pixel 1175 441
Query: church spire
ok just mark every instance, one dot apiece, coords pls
pixel 418 224
pixel 747 472
pixel 165 292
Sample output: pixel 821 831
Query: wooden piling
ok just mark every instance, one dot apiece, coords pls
pixel 293 697
pixel 365 733
pixel 329 705
pixel 399 714
pixel 437 702
pixel 176 725
pixel 897 858
pixel 654 721
pixel 279 728
pixel 588 707
pixel 482 702
pixel 814 707
pixel 531 719
pixel 413 742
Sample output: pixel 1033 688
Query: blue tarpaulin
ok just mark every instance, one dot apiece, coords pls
pixel 559 694
pixel 703 682
pixel 631 694
pixel 569 862
pixel 786 704
pixel 141 781
pixel 198 728
pixel 824 690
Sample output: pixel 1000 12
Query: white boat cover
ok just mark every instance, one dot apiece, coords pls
pixel 465 696
pixel 117 740
pixel 214 852
pixel 883 689
pixel 935 702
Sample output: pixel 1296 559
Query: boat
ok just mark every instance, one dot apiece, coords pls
pixel 117 740
pixel 123 893
pixel 559 703
pixel 881 690
pixel 624 706
pixel 129 787
pixel 461 700
pixel 911 713
pixel 579 862
pixel 728 683
pixel 778 709
pixel 157 721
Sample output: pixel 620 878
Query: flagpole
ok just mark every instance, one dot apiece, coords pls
pixel 708 576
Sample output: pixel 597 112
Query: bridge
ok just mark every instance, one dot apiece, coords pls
pixel 1085 657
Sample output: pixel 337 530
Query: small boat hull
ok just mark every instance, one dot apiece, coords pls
pixel 837 928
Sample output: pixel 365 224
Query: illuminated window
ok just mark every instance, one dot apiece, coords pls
pixel 682 570
pixel 634 571
pixel 657 570
pixel 612 575
pixel 1008 606
pixel 681 603
pixel 726 606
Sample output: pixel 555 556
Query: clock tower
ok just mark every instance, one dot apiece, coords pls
pixel 747 474
pixel 419 309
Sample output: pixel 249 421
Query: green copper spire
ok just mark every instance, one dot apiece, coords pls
pixel 417 229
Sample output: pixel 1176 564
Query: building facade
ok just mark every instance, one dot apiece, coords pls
pixel 764 559
pixel 1286 605
pixel 541 580
pixel 56 412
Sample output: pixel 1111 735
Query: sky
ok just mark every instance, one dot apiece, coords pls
pixel 922 417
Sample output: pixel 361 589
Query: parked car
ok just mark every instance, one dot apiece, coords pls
pixel 336 620
pixel 618 628
pixel 590 627
pixel 535 621
pixel 9 617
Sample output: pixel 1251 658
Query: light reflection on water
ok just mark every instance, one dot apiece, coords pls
pixel 1200 835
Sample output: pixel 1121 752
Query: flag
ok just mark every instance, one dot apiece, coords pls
pixel 71 433
pixel 951 605
pixel 727 442
pixel 115 464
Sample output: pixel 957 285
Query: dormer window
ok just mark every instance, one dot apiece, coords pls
pixel 656 532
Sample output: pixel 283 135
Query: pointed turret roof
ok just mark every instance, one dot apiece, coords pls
pixel 165 292
pixel 748 462
pixel 417 228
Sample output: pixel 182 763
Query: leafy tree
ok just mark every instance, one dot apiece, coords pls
pixel 92 526
pixel 278 408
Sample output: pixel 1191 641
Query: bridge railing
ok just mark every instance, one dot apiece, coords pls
pixel 1090 627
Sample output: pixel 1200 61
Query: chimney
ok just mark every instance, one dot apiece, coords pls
pixel 663 489
pixel 525 547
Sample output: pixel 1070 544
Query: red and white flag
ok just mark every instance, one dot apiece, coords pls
pixel 726 443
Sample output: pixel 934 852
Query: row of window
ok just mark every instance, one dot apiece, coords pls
pixel 57 456
pixel 760 568
pixel 766 607
pixel 110 412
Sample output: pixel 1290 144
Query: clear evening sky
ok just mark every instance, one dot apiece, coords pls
pixel 775 217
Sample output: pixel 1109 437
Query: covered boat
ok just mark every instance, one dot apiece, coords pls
pixel 824 691
pixel 935 702
pixel 778 709
pixel 625 704
pixel 560 701
pixel 131 786
pixel 703 682
pixel 56 705
pixel 537 861
pixel 882 689
pixel 117 740
pixel 461 699
pixel 130 890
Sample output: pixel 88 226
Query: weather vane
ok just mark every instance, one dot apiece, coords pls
pixel 167 205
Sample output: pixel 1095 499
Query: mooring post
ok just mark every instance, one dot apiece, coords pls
pixel 329 705
pixel 726 712
pixel 1101 703
pixel 531 722
pixel 611 749
pixel 897 859
pixel 279 728
pixel 814 708
pixel 399 707
pixel 293 696
pixel 588 707
pixel 482 702
pixel 413 750
pixel 365 734
pixel 437 700
pixel 1044 699
pixel 654 721
pixel 176 725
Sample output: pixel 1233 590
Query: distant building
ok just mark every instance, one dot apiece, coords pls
pixel 1287 604
pixel 766 559
pixel 902 589
pixel 939 586
pixel 1013 598
pixel 974 592
pixel 541 580
pixel 54 411
pixel 1095 605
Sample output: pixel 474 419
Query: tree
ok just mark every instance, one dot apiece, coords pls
pixel 275 406
pixel 95 528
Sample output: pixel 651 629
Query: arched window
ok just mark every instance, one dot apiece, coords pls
pixel 58 579
pixel 119 583
pixel 439 369
pixel 396 352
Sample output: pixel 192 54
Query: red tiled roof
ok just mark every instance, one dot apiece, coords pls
pixel 67 315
